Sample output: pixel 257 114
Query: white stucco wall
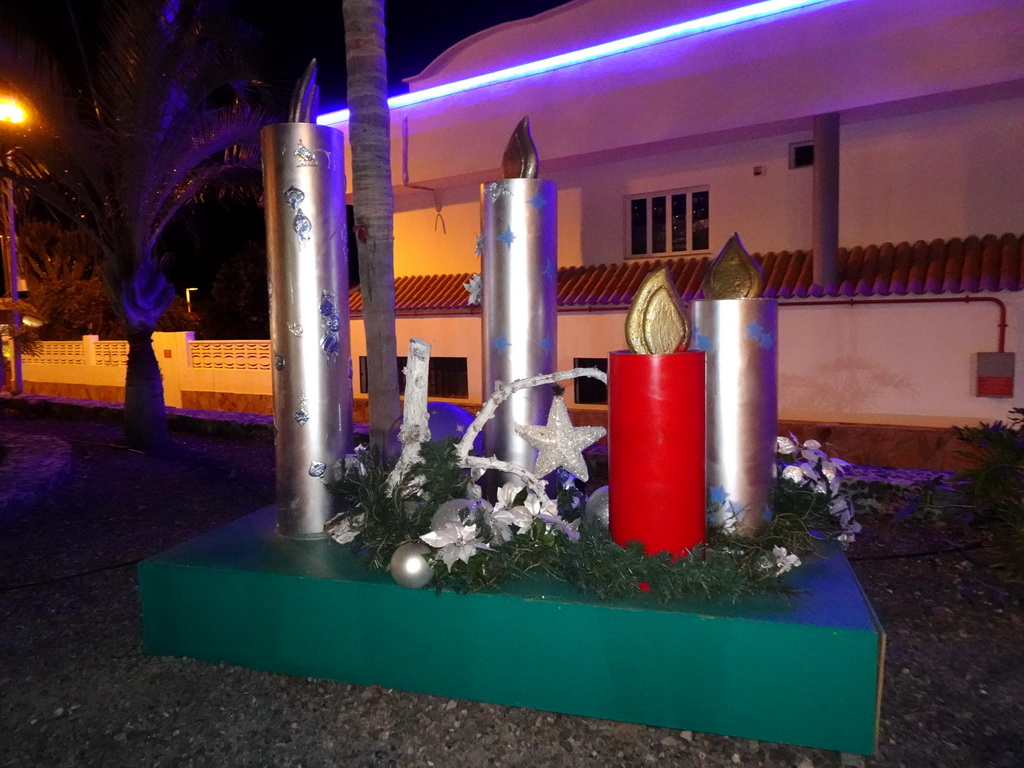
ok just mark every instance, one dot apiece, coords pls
pixel 894 364
pixel 888 364
pixel 941 173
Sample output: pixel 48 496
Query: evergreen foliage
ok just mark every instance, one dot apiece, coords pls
pixel 995 485
pixel 726 566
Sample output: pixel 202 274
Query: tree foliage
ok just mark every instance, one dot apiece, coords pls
pixel 171 109
pixel 239 307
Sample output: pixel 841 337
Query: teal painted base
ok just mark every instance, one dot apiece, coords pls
pixel 805 671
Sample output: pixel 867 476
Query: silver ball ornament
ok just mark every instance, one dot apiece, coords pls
pixel 409 567
pixel 597 507
pixel 449 510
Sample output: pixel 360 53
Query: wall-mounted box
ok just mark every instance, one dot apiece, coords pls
pixel 995 374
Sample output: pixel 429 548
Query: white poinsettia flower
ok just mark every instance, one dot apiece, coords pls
pixel 834 467
pixel 540 505
pixel 793 473
pixel 785 446
pixel 784 561
pixel 507 495
pixel 456 541
pixel 572 530
pixel 475 286
pixel 544 509
pixel 503 518
pixel 347 529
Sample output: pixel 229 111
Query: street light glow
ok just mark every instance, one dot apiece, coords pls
pixel 10 112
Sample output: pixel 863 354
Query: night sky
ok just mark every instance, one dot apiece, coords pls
pixel 417 32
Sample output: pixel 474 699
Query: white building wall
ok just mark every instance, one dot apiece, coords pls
pixel 942 173
pixel 894 364
pixel 910 364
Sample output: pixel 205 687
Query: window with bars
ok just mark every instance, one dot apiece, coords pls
pixel 668 223
pixel 587 390
pixel 448 377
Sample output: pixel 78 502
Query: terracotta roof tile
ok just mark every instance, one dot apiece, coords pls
pixel 988 263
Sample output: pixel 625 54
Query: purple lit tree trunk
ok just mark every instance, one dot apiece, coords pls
pixel 374 204
pixel 145 415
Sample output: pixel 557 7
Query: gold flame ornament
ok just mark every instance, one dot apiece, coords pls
pixel 733 274
pixel 520 160
pixel 656 323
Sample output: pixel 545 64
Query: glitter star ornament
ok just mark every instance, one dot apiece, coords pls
pixel 560 444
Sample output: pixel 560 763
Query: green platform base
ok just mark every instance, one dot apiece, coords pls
pixel 805 671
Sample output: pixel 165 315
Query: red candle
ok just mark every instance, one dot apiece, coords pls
pixel 656 428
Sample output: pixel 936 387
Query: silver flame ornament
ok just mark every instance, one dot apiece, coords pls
pixel 520 280
pixel 307 247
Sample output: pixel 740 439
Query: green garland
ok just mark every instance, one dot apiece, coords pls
pixel 731 565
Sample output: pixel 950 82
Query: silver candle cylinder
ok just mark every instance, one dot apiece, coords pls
pixel 307 248
pixel 740 337
pixel 520 331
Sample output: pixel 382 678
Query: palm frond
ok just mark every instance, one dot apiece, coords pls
pixel 173 105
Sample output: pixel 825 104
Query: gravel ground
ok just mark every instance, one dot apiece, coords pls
pixel 76 689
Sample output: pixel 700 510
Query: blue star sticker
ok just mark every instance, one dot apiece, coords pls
pixel 550 270
pixel 766 341
pixel 507 237
pixel 719 495
pixel 755 331
pixel 702 343
pixel 501 343
pixel 546 344
pixel 537 201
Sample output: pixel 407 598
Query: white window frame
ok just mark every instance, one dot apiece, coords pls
pixel 667 194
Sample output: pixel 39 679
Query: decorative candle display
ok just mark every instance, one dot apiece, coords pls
pixel 739 333
pixel 520 274
pixel 656 424
pixel 304 178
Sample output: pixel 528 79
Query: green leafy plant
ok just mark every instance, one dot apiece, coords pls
pixel 479 549
pixel 994 484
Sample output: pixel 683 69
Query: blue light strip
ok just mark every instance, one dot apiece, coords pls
pixel 692 27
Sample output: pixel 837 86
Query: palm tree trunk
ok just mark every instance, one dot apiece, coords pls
pixel 374 204
pixel 145 415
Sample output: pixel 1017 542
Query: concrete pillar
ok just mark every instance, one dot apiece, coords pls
pixel 825 200
pixel 171 350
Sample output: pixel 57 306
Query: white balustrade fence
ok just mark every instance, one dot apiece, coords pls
pixel 230 355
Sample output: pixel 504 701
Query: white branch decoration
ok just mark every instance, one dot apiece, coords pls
pixel 531 480
pixel 501 394
pixel 415 422
pixel 415 429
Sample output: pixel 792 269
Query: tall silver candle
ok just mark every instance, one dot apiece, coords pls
pixel 307 245
pixel 520 280
pixel 740 337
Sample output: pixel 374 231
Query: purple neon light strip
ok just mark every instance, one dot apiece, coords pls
pixel 692 27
